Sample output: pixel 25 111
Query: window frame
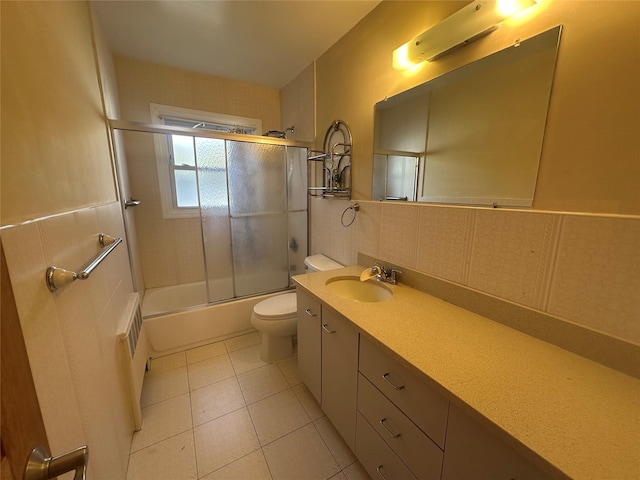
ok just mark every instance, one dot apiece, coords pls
pixel 166 167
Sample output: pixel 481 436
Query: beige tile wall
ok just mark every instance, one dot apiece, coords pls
pixel 70 335
pixel 171 249
pixel 443 242
pixel 596 275
pixel 508 254
pixel 582 268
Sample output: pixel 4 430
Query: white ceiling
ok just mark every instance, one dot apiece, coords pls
pixel 263 42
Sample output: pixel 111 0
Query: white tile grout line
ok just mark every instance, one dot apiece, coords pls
pixel 470 230
pixel 246 405
pixel 551 264
pixel 193 427
pixel 313 422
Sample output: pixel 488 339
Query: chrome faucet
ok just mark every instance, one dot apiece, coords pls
pixel 381 273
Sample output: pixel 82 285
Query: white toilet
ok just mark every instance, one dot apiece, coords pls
pixel 276 317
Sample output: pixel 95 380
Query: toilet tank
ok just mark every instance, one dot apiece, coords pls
pixel 320 263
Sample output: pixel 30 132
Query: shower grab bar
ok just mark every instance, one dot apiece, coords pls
pixel 59 277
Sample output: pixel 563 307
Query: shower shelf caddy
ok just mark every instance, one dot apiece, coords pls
pixel 335 163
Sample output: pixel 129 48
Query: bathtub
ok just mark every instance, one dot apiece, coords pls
pixel 186 326
pixel 174 298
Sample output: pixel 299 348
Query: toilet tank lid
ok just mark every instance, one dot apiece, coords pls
pixel 277 306
pixel 320 263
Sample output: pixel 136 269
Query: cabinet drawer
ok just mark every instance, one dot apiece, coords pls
pixel 414 448
pixel 427 408
pixel 376 457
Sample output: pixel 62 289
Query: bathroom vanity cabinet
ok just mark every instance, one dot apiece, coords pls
pixel 397 423
pixel 474 452
pixel 415 425
pixel 339 373
pixel 309 342
pixel 328 362
pixel 402 412
pixel 470 397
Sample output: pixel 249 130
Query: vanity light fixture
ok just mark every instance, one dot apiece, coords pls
pixel 470 23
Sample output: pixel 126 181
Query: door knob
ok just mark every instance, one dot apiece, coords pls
pixel 42 467
pixel 132 202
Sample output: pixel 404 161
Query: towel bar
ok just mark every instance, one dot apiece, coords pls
pixel 59 277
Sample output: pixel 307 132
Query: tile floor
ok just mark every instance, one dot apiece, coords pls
pixel 219 412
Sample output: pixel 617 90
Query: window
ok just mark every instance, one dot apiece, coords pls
pixel 182 166
pixel 176 154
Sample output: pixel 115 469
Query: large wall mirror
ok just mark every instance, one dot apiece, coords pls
pixel 471 136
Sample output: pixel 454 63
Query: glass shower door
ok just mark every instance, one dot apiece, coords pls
pixel 214 212
pixel 234 225
pixel 297 208
pixel 257 207
pixel 253 202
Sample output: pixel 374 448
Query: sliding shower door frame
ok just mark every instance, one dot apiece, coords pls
pixel 122 125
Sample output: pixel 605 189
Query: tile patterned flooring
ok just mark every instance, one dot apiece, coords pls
pixel 219 412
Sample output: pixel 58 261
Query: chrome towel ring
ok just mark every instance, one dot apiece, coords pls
pixel 355 207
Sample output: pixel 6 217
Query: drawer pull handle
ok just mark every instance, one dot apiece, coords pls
pixel 378 469
pixel 324 327
pixel 393 435
pixel 310 313
pixel 386 379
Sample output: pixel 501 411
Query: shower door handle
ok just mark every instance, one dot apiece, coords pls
pixel 132 202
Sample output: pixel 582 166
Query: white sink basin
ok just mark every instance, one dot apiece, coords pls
pixel 352 288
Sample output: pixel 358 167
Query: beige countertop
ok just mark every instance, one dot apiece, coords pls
pixel 577 416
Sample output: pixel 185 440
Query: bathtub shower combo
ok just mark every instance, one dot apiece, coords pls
pixel 221 225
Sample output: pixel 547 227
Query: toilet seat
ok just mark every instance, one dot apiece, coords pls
pixel 277 308
pixel 276 317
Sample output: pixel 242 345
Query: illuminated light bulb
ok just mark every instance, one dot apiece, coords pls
pixel 400 58
pixel 507 8
pixel 474 21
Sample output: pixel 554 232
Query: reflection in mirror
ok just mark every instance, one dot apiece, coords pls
pixel 471 136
